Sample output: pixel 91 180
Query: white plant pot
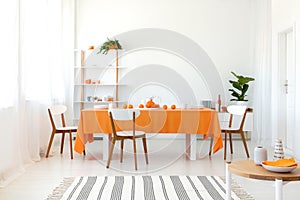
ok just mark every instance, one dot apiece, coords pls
pixel 241 103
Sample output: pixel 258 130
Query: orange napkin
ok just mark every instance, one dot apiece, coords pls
pixel 285 162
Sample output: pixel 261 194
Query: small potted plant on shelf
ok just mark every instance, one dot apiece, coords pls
pixel 241 87
pixel 110 45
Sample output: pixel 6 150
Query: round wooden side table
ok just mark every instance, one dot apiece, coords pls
pixel 248 169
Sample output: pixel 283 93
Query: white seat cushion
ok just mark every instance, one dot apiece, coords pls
pixel 129 133
pixel 67 128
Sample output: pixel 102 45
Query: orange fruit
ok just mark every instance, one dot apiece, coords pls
pixel 130 106
pixel 141 106
pixel 165 107
pixel 173 106
pixel 124 106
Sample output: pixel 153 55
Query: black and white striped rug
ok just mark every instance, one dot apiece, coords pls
pixel 146 187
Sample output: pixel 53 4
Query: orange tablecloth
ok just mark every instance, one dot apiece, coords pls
pixel 187 121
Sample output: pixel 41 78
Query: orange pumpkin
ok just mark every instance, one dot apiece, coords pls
pixel 124 106
pixel 165 107
pixel 141 106
pixel 173 106
pixel 149 104
pixel 130 106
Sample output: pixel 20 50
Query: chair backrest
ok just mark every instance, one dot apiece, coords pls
pixel 237 116
pixel 57 110
pixel 123 115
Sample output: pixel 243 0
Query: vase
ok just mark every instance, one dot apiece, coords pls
pixel 260 155
pixel 242 103
pixel 278 149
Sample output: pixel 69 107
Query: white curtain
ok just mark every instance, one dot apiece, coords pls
pixel 261 56
pixel 37 73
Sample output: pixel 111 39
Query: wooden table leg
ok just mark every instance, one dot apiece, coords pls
pixel 228 182
pixel 278 189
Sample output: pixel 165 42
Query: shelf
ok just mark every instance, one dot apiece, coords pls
pixel 99 67
pixel 104 73
pixel 106 84
pixel 99 102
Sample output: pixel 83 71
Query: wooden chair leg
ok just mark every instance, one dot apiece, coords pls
pixel 50 143
pixel 110 152
pixel 230 140
pixel 122 147
pixel 211 144
pixel 62 143
pixel 84 152
pixel 71 149
pixel 145 149
pixel 225 145
pixel 134 152
pixel 245 144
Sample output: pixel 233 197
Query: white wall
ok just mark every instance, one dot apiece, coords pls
pixel 285 14
pixel 221 28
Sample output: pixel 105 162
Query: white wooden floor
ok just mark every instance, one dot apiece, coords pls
pixel 166 158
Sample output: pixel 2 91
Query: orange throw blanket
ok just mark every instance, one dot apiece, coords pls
pixel 285 162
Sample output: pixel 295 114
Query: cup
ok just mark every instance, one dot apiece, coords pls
pixel 95 99
pixel 105 98
pixel 89 98
pixel 206 103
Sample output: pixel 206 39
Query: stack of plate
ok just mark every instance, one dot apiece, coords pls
pixel 101 106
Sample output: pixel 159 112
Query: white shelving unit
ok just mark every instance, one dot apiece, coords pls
pixel 93 85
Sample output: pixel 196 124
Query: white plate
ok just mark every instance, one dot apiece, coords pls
pixel 100 106
pixel 278 169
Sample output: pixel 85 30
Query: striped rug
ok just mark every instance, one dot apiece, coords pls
pixel 146 187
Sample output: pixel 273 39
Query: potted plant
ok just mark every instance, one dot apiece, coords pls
pixel 240 87
pixel 109 45
pixel 113 45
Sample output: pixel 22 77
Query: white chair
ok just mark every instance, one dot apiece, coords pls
pixel 235 126
pixel 129 116
pixel 57 110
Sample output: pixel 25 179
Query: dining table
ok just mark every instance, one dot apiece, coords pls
pixel 188 121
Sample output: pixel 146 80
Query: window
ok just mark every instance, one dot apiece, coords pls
pixel 9 40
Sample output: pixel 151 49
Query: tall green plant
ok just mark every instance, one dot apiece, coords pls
pixel 241 87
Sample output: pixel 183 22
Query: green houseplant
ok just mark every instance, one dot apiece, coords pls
pixel 113 44
pixel 240 87
pixel 110 45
